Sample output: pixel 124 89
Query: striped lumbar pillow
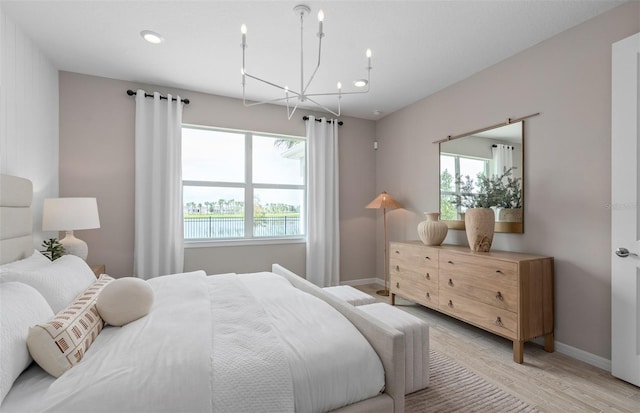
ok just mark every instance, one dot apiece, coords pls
pixel 60 343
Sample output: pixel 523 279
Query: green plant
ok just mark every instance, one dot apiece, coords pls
pixel 53 249
pixel 513 192
pixel 495 191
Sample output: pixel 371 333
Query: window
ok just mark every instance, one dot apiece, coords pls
pixel 222 169
pixel 452 166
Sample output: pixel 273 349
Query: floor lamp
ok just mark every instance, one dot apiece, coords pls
pixel 384 201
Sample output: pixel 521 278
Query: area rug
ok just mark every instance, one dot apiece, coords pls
pixel 453 388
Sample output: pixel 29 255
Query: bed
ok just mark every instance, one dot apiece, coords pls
pixel 268 341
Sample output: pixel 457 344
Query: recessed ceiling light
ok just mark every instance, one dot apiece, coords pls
pixel 360 83
pixel 151 37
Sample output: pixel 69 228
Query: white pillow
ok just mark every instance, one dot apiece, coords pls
pixel 59 282
pixel 125 300
pixel 21 306
pixel 59 343
pixel 32 262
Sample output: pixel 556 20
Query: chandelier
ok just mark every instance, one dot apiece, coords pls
pixel 292 97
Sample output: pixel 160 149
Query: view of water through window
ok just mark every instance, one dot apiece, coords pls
pixel 222 169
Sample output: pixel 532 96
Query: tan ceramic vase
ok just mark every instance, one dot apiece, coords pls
pixel 432 231
pixel 480 224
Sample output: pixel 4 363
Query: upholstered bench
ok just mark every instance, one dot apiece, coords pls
pixel 349 294
pixel 416 339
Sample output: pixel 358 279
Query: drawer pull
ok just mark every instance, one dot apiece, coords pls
pixel 427 258
pixel 428 277
pixel 397 252
pixel 499 322
pixel 428 295
pixel 499 296
pixel 450 282
pixel 397 285
pixel 450 304
pixel 397 268
pixel 450 262
pixel 499 271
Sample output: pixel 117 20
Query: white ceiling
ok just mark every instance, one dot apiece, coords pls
pixel 419 47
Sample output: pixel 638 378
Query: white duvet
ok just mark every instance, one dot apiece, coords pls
pixel 226 343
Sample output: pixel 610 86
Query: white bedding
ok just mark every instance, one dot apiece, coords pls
pixel 223 343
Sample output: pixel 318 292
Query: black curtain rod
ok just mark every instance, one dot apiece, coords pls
pixel 147 95
pixel 495 146
pixel 340 123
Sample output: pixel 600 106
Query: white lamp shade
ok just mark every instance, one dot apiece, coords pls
pixel 68 214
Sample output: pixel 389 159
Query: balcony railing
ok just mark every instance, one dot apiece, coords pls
pixel 233 227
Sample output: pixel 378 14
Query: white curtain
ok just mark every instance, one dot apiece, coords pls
pixel 502 158
pixel 158 248
pixel 323 228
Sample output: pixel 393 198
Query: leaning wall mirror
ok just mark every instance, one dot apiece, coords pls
pixel 488 165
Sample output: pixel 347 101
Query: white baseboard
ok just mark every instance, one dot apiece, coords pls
pixel 363 281
pixel 576 353
pixel 589 358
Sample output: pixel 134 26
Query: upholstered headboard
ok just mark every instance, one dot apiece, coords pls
pixel 16 221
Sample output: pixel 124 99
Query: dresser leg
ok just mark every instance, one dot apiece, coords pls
pixel 549 343
pixel 518 351
pixel 393 299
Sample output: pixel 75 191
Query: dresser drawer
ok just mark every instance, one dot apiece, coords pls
pixel 427 275
pixel 490 318
pixel 492 292
pixel 414 289
pixel 503 273
pixel 415 257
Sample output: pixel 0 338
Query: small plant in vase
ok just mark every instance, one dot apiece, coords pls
pixel 478 199
pixel 511 202
pixel 53 249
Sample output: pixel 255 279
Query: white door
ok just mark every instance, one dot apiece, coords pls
pixel 625 224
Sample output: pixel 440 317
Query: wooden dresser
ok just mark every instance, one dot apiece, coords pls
pixel 506 293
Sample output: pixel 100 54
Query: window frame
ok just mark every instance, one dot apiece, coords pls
pixel 249 189
pixel 456 186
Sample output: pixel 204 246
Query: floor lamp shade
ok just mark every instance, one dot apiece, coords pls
pixel 384 201
pixel 69 214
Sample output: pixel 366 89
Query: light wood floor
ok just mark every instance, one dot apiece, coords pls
pixel 552 382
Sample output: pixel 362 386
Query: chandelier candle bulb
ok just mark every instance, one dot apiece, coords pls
pixel 320 20
pixel 243 30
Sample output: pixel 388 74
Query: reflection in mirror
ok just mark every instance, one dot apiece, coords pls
pixel 469 163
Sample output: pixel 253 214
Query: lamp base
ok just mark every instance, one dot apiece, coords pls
pixel 383 292
pixel 74 246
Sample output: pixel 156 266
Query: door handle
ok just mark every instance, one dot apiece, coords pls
pixel 622 252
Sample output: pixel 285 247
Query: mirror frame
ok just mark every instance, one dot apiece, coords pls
pixel 500 226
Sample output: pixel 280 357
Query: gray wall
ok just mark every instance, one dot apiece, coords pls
pixel 28 117
pixel 567 162
pixel 97 159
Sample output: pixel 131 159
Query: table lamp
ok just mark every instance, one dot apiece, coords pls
pixel 69 214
